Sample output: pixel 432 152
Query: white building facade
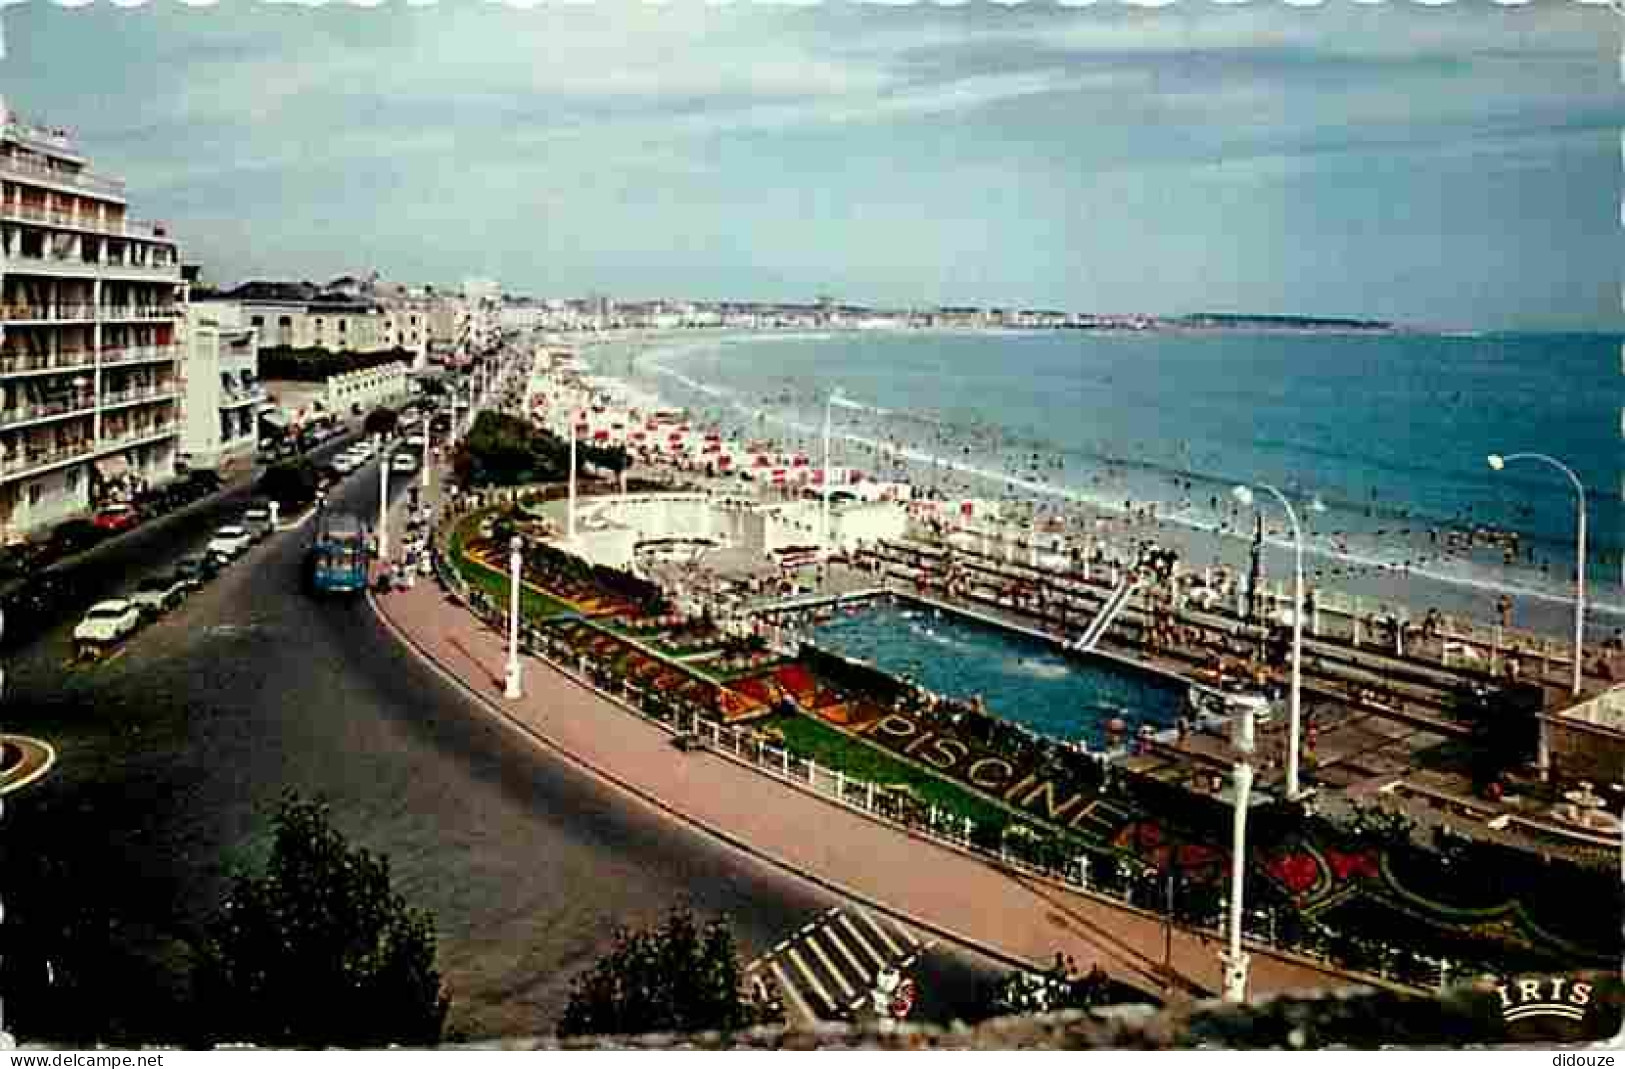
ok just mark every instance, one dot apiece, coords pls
pixel 222 394
pixel 388 385
pixel 91 307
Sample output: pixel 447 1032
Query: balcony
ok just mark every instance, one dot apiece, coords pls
pixel 29 171
pixel 47 313
pixel 40 411
pixel 31 461
pixel 139 229
pixel 135 394
pixel 42 363
pixel 168 272
pixel 139 311
pixel 136 435
pixel 42 138
pixel 140 354
pixel 66 264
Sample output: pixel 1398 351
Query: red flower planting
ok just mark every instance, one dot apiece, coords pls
pixel 1297 871
pixel 1353 866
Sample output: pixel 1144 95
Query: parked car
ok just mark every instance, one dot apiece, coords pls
pixel 257 521
pixel 199 485
pixel 107 622
pixel 345 463
pixel 74 536
pixel 159 594
pixel 230 542
pixel 404 462
pixel 195 571
pixel 115 518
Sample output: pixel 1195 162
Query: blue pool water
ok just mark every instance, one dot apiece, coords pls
pixel 1022 679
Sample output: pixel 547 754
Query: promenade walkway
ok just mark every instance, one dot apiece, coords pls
pixel 935 887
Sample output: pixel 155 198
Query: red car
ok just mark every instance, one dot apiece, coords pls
pixel 117 518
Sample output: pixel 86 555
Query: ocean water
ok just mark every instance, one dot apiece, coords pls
pixel 1379 440
pixel 1021 678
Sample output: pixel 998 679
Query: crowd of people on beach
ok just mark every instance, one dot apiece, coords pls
pixel 1038 481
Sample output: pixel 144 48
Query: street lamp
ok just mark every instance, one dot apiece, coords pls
pixel 572 509
pixel 1234 958
pixel 515 563
pixel 1497 462
pixel 1244 495
pixel 835 398
pixel 428 432
pixel 383 502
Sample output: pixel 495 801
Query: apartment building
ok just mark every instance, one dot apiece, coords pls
pixel 90 313
pixel 222 394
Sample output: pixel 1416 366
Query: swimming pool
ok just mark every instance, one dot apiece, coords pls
pixel 1022 679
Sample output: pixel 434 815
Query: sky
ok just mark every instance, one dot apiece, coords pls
pixel 1452 165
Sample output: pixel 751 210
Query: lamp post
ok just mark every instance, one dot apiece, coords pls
pixel 1245 496
pixel 428 432
pixel 383 502
pixel 572 508
pixel 515 563
pixel 1234 958
pixel 1497 462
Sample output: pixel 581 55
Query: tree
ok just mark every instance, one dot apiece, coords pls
pixel 319 950
pixel 290 483
pixel 672 978
pixel 380 421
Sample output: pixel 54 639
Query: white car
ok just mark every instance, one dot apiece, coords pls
pixel 345 463
pixel 159 593
pixel 414 441
pixel 404 462
pixel 257 521
pixel 230 542
pixel 107 622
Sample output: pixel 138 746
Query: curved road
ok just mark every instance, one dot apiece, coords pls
pixel 172 754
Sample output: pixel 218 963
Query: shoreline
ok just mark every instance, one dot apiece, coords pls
pixel 1202 541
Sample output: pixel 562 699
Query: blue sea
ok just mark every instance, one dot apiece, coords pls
pixel 1379 440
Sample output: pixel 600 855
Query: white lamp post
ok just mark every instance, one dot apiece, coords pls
pixel 428 431
pixel 835 398
pixel 383 501
pixel 1234 958
pixel 1245 496
pixel 572 507
pixel 516 562
pixel 1497 462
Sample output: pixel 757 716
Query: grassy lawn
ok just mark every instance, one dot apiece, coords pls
pixel 532 603
pixel 807 737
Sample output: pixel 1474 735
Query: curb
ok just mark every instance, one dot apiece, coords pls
pixel 656 802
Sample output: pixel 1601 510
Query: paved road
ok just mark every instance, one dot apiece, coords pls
pixel 172 753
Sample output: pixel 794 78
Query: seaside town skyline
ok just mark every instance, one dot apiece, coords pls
pixel 1386 162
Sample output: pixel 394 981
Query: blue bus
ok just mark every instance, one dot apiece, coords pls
pixel 337 559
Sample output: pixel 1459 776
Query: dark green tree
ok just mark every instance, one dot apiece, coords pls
pixel 676 977
pixel 380 421
pixel 319 950
pixel 291 483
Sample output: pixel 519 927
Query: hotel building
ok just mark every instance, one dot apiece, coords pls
pixel 90 315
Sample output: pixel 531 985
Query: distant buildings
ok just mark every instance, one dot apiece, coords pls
pixel 346 316
pixel 90 316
